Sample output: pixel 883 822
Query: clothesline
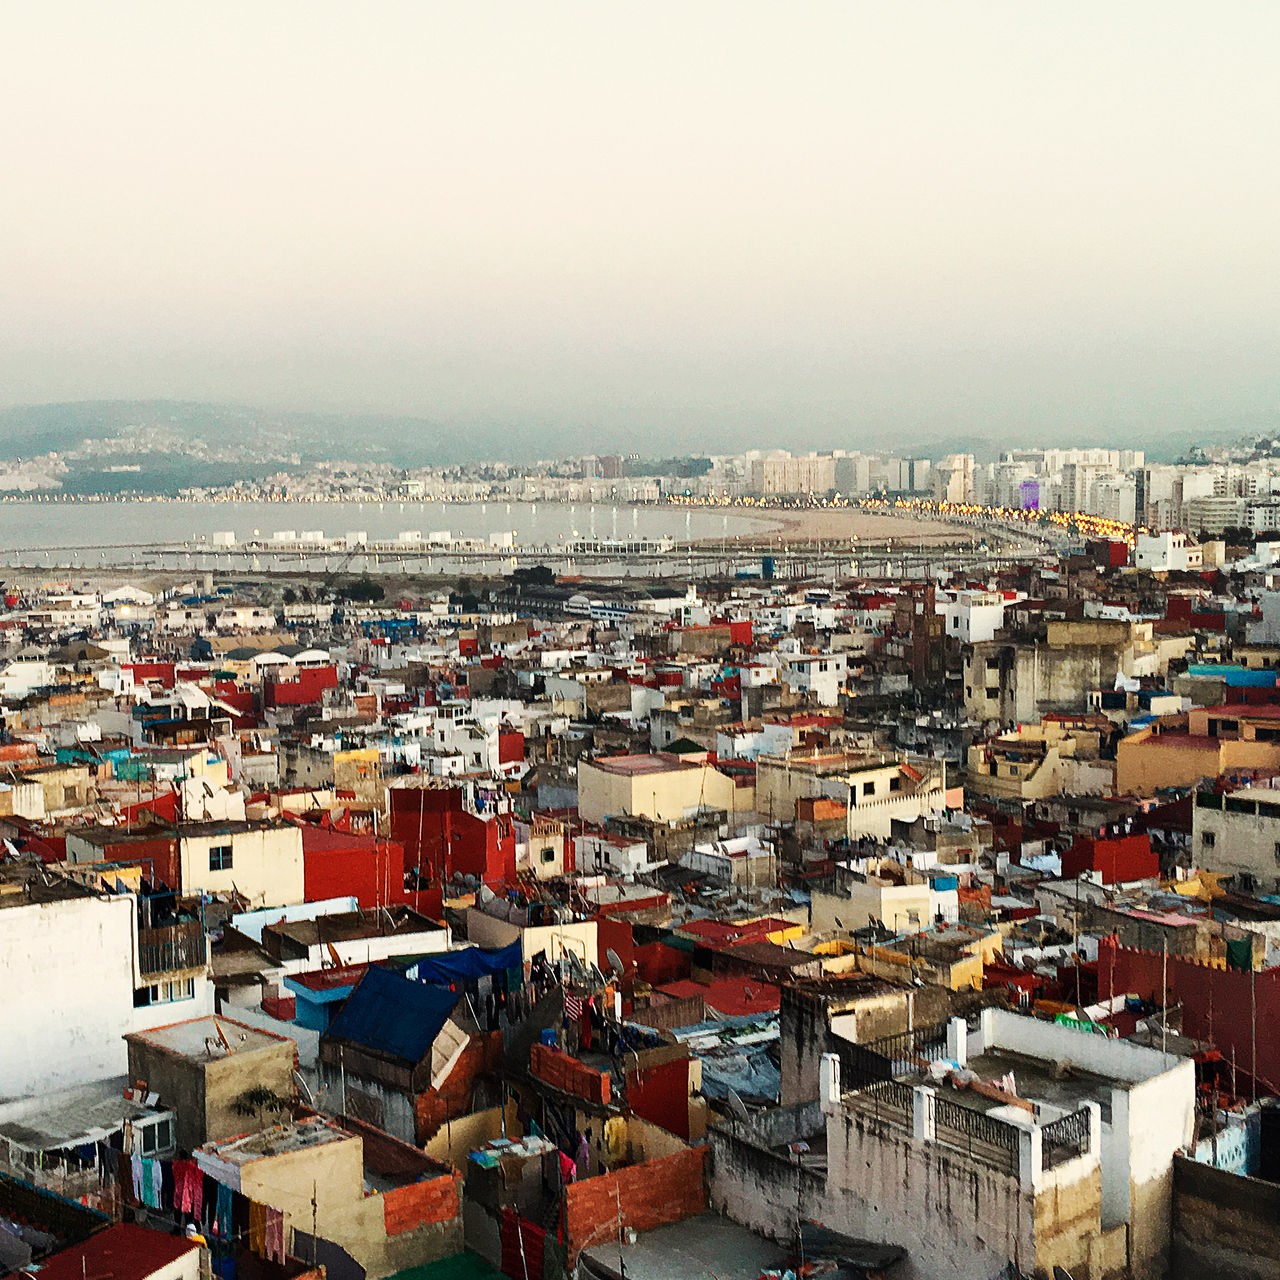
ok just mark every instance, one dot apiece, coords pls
pixel 222 1215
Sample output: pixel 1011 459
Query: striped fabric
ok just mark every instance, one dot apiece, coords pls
pixel 572 1007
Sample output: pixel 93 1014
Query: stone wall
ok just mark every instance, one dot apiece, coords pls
pixel 1223 1224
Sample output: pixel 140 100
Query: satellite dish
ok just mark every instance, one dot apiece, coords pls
pixel 740 1112
pixel 486 894
pixel 1061 1273
pixel 615 963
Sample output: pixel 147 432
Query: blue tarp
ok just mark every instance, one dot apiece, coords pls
pixel 465 965
pixel 389 1014
pixel 1235 677
pixel 735 1054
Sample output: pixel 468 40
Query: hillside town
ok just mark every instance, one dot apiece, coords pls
pixel 736 927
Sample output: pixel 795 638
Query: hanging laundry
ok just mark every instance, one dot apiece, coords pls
pixel 188 1184
pixel 258 1229
pixel 222 1214
pixel 275 1236
pixel 135 1163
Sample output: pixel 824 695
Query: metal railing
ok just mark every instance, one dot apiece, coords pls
pixel 171 949
pixel 907 1050
pixel 975 1133
pixel 1065 1139
pixel 902 1054
pixel 888 1100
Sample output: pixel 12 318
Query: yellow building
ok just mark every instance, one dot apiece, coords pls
pixel 1178 751
pixel 259 860
pixel 951 956
pixel 386 1204
pixel 661 787
pixel 875 788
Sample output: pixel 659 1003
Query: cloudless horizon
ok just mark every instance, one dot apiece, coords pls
pixel 670 227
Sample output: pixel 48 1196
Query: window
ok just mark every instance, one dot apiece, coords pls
pixel 548 855
pixel 868 788
pixel 1208 840
pixel 895 784
pixel 993 694
pixel 156 1137
pixel 220 857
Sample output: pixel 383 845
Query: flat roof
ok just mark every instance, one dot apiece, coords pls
pixel 122 1251
pixel 345 925
pixel 27 883
pixel 315 1131
pixel 639 766
pixel 707 1247
pixel 198 1038
pixel 72 1117
pixel 1038 1080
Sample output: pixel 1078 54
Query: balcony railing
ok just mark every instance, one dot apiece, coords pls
pixel 977 1134
pixel 173 949
pixel 1066 1139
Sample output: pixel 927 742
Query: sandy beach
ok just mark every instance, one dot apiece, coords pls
pixel 843 524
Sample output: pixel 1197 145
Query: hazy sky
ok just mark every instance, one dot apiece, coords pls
pixel 680 224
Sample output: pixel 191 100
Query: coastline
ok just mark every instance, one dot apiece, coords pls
pixel 793 525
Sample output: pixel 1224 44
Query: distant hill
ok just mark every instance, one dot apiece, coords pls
pixel 237 433
pixel 176 443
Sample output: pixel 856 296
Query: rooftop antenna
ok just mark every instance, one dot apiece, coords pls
pixel 304 1089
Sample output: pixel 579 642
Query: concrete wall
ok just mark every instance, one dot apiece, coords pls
pixel 957 1219
pixel 266 865
pixel 893 904
pixel 809 1021
pixel 1223 1225
pixel 383 1233
pixel 75 956
pixel 1161 1121
pixel 1151 1119
pixel 203 1093
pixel 454 1142
pixel 1246 842
pixel 489 932
pixel 661 796
pixel 758 1186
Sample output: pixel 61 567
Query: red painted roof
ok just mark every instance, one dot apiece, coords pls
pixel 722 931
pixel 123 1252
pixel 346 975
pixel 1242 710
pixel 732 997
